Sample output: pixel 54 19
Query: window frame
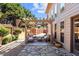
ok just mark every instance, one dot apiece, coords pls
pixel 62 6
pixel 62 32
pixel 55 32
pixel 55 10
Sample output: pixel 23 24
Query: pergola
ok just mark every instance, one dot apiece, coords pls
pixel 32 21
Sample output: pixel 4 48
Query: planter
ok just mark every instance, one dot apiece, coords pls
pixel 58 45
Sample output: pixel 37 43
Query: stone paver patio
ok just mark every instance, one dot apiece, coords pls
pixel 43 49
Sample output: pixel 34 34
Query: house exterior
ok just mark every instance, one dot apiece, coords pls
pixel 65 24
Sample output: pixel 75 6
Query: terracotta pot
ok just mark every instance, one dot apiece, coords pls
pixel 58 45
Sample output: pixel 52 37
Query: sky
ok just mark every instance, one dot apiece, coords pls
pixel 38 9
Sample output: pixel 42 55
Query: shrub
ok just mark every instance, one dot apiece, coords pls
pixel 17 31
pixel 14 37
pixel 3 31
pixel 7 39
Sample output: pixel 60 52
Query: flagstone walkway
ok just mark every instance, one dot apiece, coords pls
pixel 43 49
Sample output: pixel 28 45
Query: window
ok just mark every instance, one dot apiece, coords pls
pixel 52 14
pixel 62 32
pixel 55 32
pixel 62 25
pixel 49 14
pixel 55 10
pixel 62 5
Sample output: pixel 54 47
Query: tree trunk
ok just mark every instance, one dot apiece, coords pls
pixel 17 22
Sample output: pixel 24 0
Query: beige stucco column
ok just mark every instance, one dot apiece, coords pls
pixel 50 30
pixel 25 34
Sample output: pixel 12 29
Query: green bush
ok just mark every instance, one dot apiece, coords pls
pixel 3 31
pixel 17 31
pixel 14 37
pixel 7 39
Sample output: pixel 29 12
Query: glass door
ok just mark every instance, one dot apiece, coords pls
pixel 76 34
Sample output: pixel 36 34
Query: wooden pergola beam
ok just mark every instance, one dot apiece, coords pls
pixel 48 7
pixel 39 20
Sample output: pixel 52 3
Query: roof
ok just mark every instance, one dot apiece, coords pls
pixel 48 7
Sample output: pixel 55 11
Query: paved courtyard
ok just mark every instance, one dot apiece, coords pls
pixel 18 48
pixel 43 49
pixel 32 49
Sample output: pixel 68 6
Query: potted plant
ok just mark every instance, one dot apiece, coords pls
pixel 58 45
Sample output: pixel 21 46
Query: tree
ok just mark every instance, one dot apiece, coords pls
pixel 13 11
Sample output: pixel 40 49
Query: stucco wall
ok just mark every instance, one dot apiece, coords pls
pixel 49 29
pixel 69 11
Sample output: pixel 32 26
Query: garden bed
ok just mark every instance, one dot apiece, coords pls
pixel 6 35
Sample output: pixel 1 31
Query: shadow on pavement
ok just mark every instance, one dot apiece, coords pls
pixel 15 51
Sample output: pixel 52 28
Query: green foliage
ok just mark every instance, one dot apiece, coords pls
pixel 7 39
pixel 14 37
pixel 3 31
pixel 14 9
pixel 17 31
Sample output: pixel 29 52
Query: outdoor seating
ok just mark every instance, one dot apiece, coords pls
pixel 30 38
pixel 41 37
